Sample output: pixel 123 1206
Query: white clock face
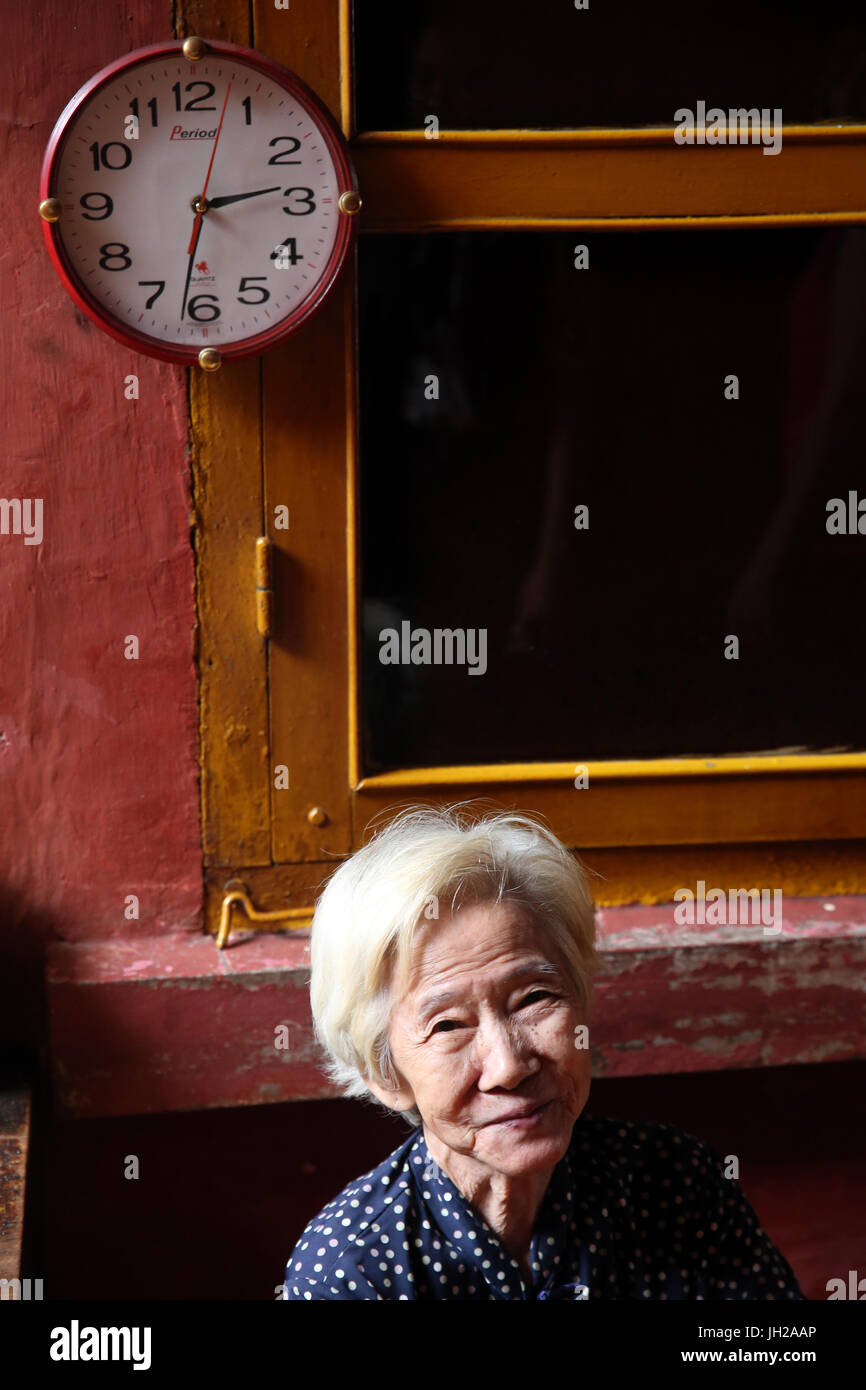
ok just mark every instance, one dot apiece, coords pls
pixel 128 226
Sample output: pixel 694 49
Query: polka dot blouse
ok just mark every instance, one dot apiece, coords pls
pixel 631 1211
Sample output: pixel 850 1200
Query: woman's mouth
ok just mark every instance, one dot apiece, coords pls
pixel 528 1117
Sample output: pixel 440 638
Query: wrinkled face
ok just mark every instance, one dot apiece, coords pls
pixel 484 1040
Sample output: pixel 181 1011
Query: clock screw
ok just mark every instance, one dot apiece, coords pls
pixel 350 202
pixel 317 816
pixel 50 209
pixel 210 360
pixel 194 48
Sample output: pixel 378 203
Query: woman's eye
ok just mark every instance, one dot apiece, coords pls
pixel 445 1025
pixel 538 994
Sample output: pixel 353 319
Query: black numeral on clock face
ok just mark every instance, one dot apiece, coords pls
pixel 201 311
pixel 305 198
pixel 194 103
pixel 96 211
pixel 247 287
pixel 107 158
pixel 133 106
pixel 287 251
pixel 282 156
pixel 160 286
pixel 114 251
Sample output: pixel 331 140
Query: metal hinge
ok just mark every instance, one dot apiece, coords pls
pixel 264 592
pixel 293 918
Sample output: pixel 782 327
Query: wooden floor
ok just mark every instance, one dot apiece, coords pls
pixel 14 1149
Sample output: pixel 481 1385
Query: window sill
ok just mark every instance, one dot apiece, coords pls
pixel 170 1023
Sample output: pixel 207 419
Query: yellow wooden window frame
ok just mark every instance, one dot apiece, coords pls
pixel 283 429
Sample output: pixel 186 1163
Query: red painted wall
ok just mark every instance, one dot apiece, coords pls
pixel 98 771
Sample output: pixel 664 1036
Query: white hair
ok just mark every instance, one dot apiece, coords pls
pixel 368 912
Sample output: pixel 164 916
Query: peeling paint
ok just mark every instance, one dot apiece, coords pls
pixel 195 1029
pixel 724 1046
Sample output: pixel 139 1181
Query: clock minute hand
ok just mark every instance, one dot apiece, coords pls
pixel 193 247
pixel 196 226
pixel 227 198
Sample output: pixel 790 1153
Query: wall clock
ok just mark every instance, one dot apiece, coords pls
pixel 198 201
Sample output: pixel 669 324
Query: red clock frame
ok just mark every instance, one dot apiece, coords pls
pixel 346 226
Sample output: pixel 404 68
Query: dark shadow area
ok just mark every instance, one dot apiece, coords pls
pixel 223 1195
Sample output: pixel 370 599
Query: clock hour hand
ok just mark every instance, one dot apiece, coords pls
pixel 238 197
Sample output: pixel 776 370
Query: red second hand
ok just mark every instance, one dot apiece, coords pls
pixel 198 216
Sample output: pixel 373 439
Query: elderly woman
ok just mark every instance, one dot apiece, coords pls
pixel 452 963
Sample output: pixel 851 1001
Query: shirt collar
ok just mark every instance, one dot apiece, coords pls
pixel 453 1217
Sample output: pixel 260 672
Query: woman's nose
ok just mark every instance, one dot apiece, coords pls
pixel 506 1056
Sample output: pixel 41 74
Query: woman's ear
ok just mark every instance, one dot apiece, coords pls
pixel 398 1097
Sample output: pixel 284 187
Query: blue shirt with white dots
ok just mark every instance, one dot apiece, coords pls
pixel 632 1210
